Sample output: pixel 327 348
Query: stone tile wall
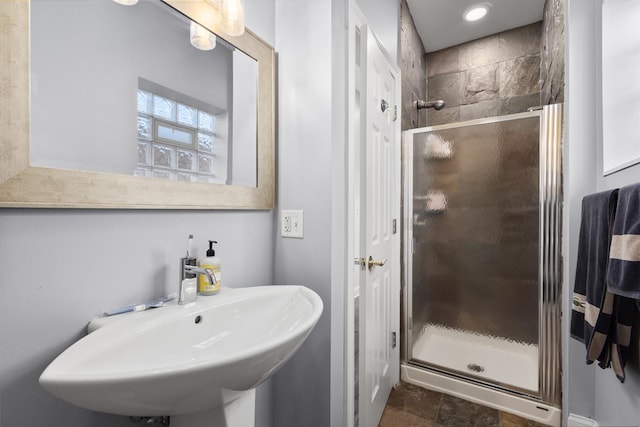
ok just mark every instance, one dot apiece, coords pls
pixel 491 76
pixel 413 69
pixel 552 68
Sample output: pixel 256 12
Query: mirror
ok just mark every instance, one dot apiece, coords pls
pixel 177 127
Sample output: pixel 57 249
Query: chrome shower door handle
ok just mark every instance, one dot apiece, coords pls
pixel 371 263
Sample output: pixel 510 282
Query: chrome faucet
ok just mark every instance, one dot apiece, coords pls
pixel 189 273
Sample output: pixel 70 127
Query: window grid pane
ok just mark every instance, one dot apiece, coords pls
pixel 165 108
pixel 187 116
pixel 187 160
pixel 144 127
pixel 205 142
pixel 174 135
pixel 206 121
pixel 145 100
pixel 165 158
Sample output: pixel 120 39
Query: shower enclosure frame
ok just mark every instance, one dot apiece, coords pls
pixel 549 279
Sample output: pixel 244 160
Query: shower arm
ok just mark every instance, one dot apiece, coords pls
pixel 436 105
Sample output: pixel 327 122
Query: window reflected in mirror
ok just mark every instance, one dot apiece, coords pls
pixel 177 137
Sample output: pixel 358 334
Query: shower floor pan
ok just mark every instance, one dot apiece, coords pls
pixel 502 361
pixel 496 359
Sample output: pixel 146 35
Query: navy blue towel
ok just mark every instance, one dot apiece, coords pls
pixel 592 308
pixel 623 276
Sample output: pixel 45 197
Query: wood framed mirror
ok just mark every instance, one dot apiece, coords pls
pixel 25 183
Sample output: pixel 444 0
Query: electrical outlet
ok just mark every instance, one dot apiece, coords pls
pixel 292 224
pixel 286 223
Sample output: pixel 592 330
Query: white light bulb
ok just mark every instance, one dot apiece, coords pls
pixel 201 38
pixel 232 17
pixel 126 2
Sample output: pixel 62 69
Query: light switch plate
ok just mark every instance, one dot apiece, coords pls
pixel 292 224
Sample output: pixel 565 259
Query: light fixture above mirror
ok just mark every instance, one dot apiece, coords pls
pixel 201 38
pixel 229 16
pixel 232 17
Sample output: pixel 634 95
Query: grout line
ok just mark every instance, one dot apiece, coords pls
pixel 435 419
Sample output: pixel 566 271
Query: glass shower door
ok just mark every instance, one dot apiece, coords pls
pixel 474 298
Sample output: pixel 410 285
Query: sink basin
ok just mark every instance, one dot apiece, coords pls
pixel 181 359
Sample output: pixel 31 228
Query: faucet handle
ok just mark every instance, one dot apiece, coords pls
pixel 184 270
pixel 188 291
pixel 188 281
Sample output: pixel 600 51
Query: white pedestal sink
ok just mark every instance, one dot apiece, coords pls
pixel 183 359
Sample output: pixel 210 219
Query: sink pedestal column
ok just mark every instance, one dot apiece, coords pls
pixel 239 413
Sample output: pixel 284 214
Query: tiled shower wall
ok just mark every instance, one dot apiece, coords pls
pixel 552 51
pixel 491 76
pixel 413 69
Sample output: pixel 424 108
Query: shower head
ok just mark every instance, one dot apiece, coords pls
pixel 436 105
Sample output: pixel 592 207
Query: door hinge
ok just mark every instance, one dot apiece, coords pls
pixel 395 226
pixel 395 113
pixel 393 340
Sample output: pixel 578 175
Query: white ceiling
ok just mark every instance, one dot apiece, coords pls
pixel 440 23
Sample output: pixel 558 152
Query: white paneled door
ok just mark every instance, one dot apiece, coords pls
pixel 379 290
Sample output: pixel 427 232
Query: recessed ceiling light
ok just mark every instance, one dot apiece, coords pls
pixel 476 12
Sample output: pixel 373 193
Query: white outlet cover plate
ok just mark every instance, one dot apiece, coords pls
pixel 292 224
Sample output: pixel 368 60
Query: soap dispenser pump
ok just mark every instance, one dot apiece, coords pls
pixel 211 262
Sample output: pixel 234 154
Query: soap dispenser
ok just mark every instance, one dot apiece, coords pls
pixel 211 262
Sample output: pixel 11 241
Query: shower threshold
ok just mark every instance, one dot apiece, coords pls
pixel 495 359
pixel 488 396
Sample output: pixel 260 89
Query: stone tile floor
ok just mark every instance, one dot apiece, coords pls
pixel 412 406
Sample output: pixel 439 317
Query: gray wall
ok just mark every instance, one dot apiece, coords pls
pixel 589 390
pixel 311 42
pixel 616 403
pixel 383 18
pixel 303 35
pixel 579 168
pixel 60 268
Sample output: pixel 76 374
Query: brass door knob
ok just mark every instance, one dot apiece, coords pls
pixel 371 262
